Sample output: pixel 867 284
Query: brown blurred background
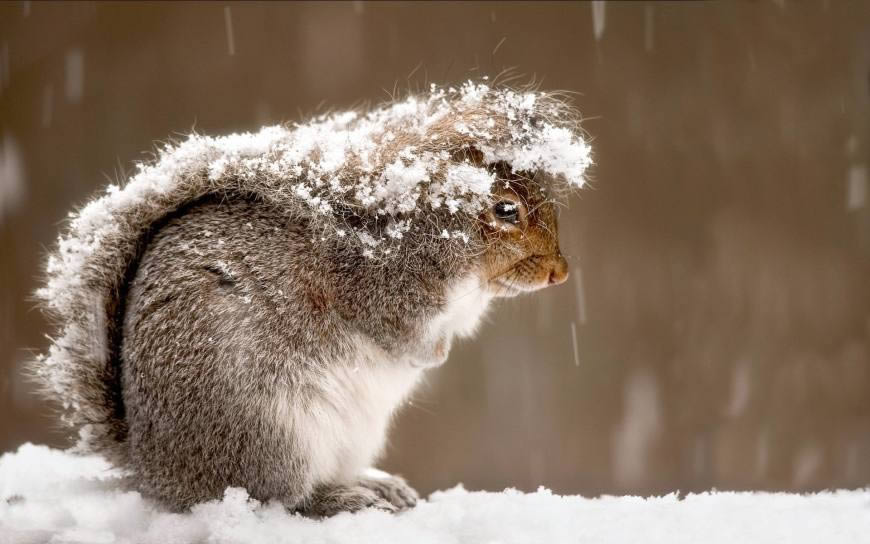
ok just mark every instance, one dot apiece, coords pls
pixel 720 256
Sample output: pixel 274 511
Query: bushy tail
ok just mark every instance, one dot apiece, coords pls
pixel 87 276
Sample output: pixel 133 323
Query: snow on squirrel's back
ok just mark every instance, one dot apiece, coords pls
pixel 49 495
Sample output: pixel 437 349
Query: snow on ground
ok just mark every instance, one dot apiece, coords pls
pixel 48 495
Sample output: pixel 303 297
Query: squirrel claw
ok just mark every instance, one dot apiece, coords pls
pixel 336 499
pixel 393 489
pixel 432 354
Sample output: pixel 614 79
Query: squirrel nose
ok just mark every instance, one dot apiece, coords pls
pixel 559 272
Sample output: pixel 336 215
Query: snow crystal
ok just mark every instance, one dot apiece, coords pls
pixel 574 344
pixel 402 180
pixel 581 294
pixel 649 28
pixel 48 495
pixel 856 190
pixel 555 153
pixel 4 66
pixel 598 18
pixel 474 179
pixel 461 235
pixel 228 24
pixel 74 83
pixel 47 105
pixel 636 433
pixel 741 388
pixel 12 176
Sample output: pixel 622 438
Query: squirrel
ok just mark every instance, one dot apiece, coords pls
pixel 251 310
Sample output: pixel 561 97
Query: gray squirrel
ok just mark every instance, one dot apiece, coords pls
pixel 251 310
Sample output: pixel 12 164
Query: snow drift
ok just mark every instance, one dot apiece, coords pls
pixel 50 495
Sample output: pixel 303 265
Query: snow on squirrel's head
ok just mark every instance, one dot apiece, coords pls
pixel 421 173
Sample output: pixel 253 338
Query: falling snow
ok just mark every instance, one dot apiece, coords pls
pixel 581 294
pixel 574 344
pixel 649 28
pixel 4 66
pixel 808 461
pixel 598 14
pixel 12 183
pixel 75 75
pixel 638 430
pixel 47 105
pixel 856 187
pixel 228 23
pixel 741 388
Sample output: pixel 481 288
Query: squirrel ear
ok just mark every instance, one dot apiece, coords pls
pixel 469 154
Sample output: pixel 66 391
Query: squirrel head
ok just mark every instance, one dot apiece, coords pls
pixel 521 236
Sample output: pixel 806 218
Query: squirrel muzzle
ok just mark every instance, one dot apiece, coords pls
pixel 522 237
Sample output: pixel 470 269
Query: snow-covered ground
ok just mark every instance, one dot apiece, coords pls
pixel 48 495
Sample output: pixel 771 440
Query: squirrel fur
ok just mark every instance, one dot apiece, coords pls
pixel 251 310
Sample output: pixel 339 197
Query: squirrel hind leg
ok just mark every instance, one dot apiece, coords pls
pixel 331 499
pixel 392 488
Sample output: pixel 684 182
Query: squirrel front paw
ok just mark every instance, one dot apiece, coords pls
pixel 432 353
pixel 393 489
pixel 330 500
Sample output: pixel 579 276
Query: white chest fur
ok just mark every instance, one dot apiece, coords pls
pixel 467 301
pixel 342 425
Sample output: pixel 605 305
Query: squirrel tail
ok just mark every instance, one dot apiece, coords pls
pixel 86 281
pixel 86 278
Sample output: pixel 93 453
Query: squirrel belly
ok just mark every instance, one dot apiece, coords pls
pixel 243 366
pixel 341 427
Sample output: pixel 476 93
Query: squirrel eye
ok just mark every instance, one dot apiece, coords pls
pixel 507 211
